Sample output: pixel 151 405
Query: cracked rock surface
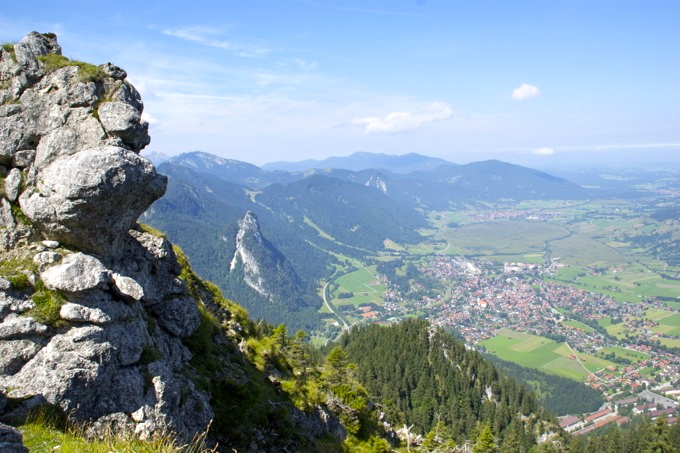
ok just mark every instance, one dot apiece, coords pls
pixel 92 314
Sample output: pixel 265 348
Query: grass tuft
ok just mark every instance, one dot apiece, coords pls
pixel 47 431
pixel 47 306
pixel 86 72
pixel 9 47
pixel 20 216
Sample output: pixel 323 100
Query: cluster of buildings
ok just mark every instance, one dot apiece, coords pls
pixel 479 299
pixel 646 403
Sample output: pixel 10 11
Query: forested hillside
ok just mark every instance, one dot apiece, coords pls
pixel 559 395
pixel 422 376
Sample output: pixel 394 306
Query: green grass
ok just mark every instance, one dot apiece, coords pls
pixel 579 325
pixel 541 353
pixel 86 72
pixel 503 239
pixel 617 330
pixel 9 47
pixel 47 306
pixel 362 283
pixel 604 322
pixel 43 436
pixel 628 354
pixel 318 229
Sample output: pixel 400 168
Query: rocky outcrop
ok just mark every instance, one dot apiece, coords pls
pixel 92 312
pixel 247 238
pixel 68 146
pixel 260 265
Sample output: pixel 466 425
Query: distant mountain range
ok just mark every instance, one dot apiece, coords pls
pixel 406 163
pixel 300 219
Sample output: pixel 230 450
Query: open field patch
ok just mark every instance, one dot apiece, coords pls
pixel 543 354
pixel 628 354
pixel 656 314
pixel 579 325
pixel 503 238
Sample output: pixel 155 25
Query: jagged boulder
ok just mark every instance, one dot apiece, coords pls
pixel 69 140
pixel 92 312
pixel 92 198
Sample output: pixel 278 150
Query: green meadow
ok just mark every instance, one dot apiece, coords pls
pixel 624 353
pixel 363 285
pixel 541 353
pixel 504 240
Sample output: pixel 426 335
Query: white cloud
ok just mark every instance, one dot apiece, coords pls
pixel 396 122
pixel 206 36
pixel 545 151
pixel 524 92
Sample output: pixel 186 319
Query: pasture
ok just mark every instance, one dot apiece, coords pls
pixel 543 354
pixel 628 354
pixel 362 283
pixel 507 240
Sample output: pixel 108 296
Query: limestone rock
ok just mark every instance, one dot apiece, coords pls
pixel 15 326
pixel 45 259
pixel 122 120
pixel 127 288
pixel 13 184
pixel 69 158
pixel 16 353
pixel 179 316
pixel 9 303
pixel 80 313
pixel 77 273
pixel 92 198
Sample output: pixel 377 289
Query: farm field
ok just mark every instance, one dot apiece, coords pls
pixel 362 284
pixel 502 238
pixel 543 354
pixel 579 325
pixel 624 353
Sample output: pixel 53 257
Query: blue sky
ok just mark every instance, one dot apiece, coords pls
pixel 531 82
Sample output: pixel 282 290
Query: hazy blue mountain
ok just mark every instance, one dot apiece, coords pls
pixel 495 180
pixel 406 163
pixel 231 170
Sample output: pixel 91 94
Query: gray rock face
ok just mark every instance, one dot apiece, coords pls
pixel 76 274
pixel 92 198
pixel 108 349
pixel 122 120
pixel 71 148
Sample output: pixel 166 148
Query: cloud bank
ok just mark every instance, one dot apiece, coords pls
pixel 399 122
pixel 545 151
pixel 525 92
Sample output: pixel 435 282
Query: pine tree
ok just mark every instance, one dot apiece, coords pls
pixel 485 442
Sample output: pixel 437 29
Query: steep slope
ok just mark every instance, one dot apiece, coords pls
pixel 425 378
pixel 207 205
pixel 353 214
pixel 271 283
pixel 102 321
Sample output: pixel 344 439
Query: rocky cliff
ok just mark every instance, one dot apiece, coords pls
pixel 92 312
